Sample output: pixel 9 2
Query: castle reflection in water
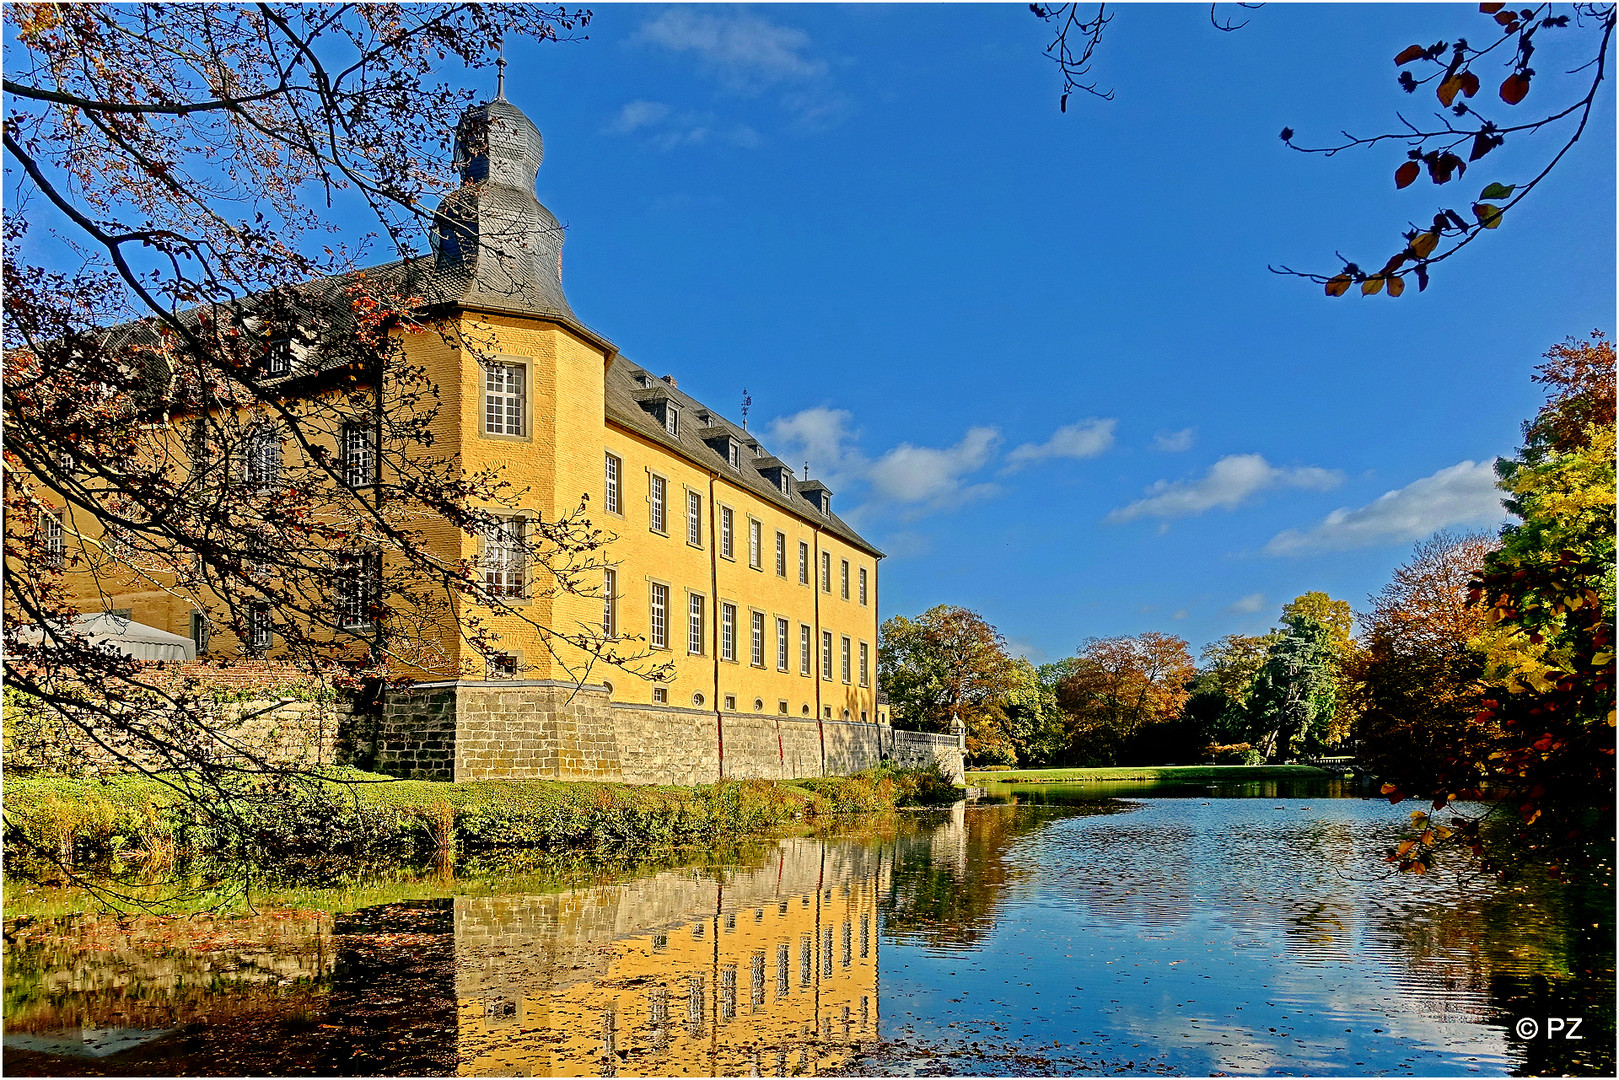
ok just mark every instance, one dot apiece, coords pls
pixel 767 969
pixel 772 972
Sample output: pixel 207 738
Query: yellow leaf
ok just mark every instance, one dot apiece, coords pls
pixel 1371 285
pixel 1423 244
pixel 1418 815
pixel 1442 832
pixel 1396 285
pixel 1405 848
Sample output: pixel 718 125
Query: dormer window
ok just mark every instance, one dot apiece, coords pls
pixel 278 357
pixel 736 456
pixel 786 483
pixel 671 419
pixel 818 495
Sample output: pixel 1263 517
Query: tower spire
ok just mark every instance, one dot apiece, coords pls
pixel 500 73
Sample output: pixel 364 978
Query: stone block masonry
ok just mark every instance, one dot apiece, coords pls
pixel 545 730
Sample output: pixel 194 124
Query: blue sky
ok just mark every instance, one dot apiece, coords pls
pixel 1039 357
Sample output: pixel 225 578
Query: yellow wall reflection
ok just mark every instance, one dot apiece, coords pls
pixel 771 972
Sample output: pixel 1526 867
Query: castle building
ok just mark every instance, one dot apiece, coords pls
pixel 756 600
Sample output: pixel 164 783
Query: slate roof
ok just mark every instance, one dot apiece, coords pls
pixel 625 410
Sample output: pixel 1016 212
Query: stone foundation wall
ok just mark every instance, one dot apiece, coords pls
pixel 920 749
pixel 666 745
pixel 560 731
pixel 852 746
pixel 415 737
pixel 282 731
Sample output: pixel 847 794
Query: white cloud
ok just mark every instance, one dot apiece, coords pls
pixel 1230 482
pixel 1248 604
pixel 1173 442
pixel 908 478
pixel 1461 494
pixel 744 50
pixel 1082 440
pixel 666 129
pixel 1180 613
pixel 824 439
pixel 636 115
pixel 933 477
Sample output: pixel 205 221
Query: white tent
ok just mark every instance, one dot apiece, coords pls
pixel 133 639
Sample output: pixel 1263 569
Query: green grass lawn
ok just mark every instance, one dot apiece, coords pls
pixel 1223 774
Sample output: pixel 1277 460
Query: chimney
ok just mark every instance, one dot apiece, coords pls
pixel 670 379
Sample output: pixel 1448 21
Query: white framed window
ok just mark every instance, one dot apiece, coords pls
pixel 52 543
pixel 500 665
pixel 657 497
pixel 504 558
pixel 671 419
pixel 260 629
pixel 826 571
pixel 727 631
pixel 660 616
pixel 781 554
pixel 826 655
pixel 803 649
pixel 660 695
pixel 783 628
pixel 755 544
pixel 358 587
pixel 735 455
pixel 263 456
pixel 278 356
pixel 610 602
pixel 199 631
pixel 862 586
pixel 694 519
pixel 803 563
pixel 845 579
pixel 846 661
pixel 865 664
pixel 758 652
pixel 359 456
pixel 615 500
pixel 505 399
pixel 727 528
pixel 694 624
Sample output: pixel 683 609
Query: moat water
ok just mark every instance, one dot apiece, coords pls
pixel 1050 930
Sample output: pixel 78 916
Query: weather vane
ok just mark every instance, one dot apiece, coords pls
pixel 747 403
pixel 500 72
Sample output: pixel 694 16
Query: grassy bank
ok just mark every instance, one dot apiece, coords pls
pixel 1178 774
pixel 350 820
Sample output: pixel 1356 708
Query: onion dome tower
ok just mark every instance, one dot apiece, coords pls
pixel 492 232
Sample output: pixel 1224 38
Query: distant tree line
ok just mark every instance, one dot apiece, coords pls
pixel 1482 672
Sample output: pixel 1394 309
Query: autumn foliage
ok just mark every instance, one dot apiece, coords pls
pixel 1540 742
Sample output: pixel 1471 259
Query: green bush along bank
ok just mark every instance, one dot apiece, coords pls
pixel 347 820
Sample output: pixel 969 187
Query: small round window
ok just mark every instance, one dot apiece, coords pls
pixel 758 704
pixel 697 700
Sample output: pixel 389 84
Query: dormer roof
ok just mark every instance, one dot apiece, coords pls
pixel 634 396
